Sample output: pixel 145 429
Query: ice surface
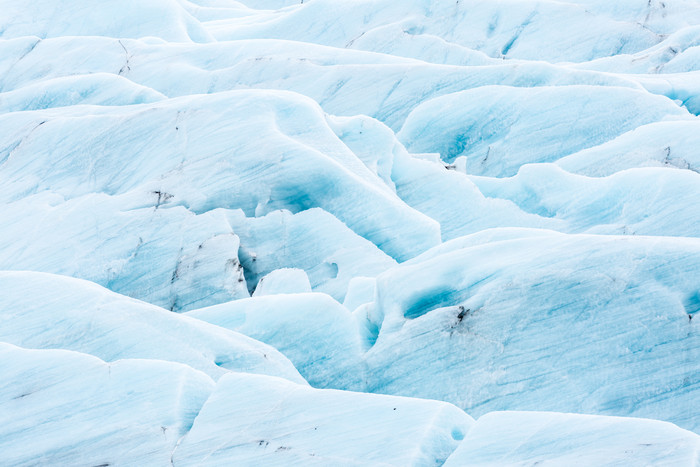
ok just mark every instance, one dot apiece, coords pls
pixel 431 185
pixel 165 19
pixel 676 53
pixel 343 82
pixel 304 426
pixel 46 311
pixel 315 332
pixel 284 280
pixel 664 144
pixel 500 128
pixel 312 168
pixel 66 408
pixel 313 240
pixel 572 323
pixel 550 439
pixel 490 204
pixel 430 29
pixel 130 244
pixel 644 201
pixel 93 89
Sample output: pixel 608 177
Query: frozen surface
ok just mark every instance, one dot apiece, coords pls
pixel 284 280
pixel 642 201
pixel 664 144
pixel 304 426
pixel 550 439
pixel 435 31
pixel 66 408
pixel 129 244
pixel 313 240
pixel 45 311
pixel 544 321
pixel 343 82
pixel 500 128
pixel 294 162
pixel 489 204
pixel 165 19
pixel 318 334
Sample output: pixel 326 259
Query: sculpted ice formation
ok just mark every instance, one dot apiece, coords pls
pixel 219 218
pixel 501 128
pixel 131 244
pixel 315 332
pixel 544 322
pixel 45 311
pixel 66 407
pixel 525 438
pixel 306 426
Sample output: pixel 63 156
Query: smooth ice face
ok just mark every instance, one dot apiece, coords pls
pixel 281 281
pixel 500 128
pixel 436 31
pixel 93 89
pixel 131 244
pixel 45 311
pixel 663 144
pixel 294 162
pixel 550 439
pixel 587 324
pixel 65 407
pixel 493 204
pixel 298 425
pixel 640 201
pixel 329 252
pixel 676 53
pixel 343 82
pixel 318 334
pixel 165 19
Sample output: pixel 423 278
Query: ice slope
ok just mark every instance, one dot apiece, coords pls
pixel 294 161
pixel 542 196
pixel 518 319
pixel 432 186
pixel 283 281
pixel 430 29
pixel 68 407
pixel 549 439
pixel 544 321
pixel 130 244
pixel 92 89
pixel 643 201
pixel 499 128
pixel 318 334
pixel 46 311
pixel 59 407
pixel 343 82
pixel 403 187
pixel 663 144
pixel 164 19
pixel 331 256
pixel 678 52
pixel 304 426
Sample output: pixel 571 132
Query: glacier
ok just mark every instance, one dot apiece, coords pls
pixel 316 232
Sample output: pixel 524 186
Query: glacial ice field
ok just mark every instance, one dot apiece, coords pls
pixel 350 233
